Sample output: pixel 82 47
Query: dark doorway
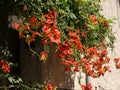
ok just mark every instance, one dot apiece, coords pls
pixel 7 35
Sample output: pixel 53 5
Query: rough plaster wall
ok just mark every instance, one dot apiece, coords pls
pixel 111 81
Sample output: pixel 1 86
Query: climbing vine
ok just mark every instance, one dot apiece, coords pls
pixel 77 28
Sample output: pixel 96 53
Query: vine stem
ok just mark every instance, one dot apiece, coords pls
pixel 40 35
pixel 33 50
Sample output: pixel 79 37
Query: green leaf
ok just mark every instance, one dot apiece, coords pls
pixel 72 15
pixel 11 80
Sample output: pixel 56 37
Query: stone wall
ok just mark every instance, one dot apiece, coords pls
pixel 111 81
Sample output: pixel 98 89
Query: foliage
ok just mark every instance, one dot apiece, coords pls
pixel 73 13
pixel 6 66
pixel 30 86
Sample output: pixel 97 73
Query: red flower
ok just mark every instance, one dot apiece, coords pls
pixel 104 52
pixel 83 34
pixel 52 12
pixel 49 86
pixel 43 55
pixel 116 60
pixel 67 69
pixel 93 19
pixel 76 69
pixel 105 23
pixel 56 35
pixel 49 20
pixel 46 29
pixel 87 87
pixel 27 27
pixel 44 41
pixel 70 51
pixel 118 65
pixel 25 8
pixel 92 51
pixel 33 20
pixel 16 26
pixel 21 35
pixel 106 68
pixel 31 38
pixel 83 87
pixel 5 66
pixel 101 73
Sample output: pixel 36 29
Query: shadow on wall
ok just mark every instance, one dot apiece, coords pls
pixel 99 88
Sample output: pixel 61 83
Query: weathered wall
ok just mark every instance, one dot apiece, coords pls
pixel 49 71
pixel 111 81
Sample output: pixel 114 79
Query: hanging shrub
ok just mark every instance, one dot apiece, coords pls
pixel 77 28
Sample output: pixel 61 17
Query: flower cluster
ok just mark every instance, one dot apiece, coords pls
pixel 4 60
pixel 67 51
pixel 93 19
pixel 50 86
pixel 4 66
pixel 93 61
pixel 49 33
pixel 25 31
pixel 43 55
pixel 49 28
